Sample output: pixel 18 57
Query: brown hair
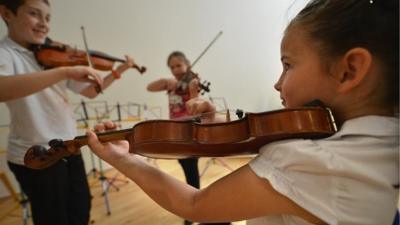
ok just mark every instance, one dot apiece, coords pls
pixel 336 26
pixel 13 5
pixel 180 55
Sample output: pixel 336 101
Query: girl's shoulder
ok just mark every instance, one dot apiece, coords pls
pixel 371 125
pixel 358 138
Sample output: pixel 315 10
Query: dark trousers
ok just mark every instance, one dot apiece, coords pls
pixel 58 194
pixel 191 170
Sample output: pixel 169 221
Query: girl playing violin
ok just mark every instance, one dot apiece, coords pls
pixel 344 53
pixel 40 110
pixel 180 89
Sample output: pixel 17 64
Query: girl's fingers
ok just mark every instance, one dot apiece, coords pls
pixel 99 127
pixel 109 125
pixel 93 141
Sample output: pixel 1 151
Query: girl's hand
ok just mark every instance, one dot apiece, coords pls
pixel 171 84
pixel 83 74
pixel 198 105
pixel 194 88
pixel 110 152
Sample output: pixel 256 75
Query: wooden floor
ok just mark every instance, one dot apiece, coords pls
pixel 130 205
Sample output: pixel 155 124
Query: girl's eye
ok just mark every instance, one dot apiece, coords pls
pixel 286 66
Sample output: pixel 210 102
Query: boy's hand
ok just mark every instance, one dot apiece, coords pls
pixel 128 64
pixel 84 74
pixel 110 152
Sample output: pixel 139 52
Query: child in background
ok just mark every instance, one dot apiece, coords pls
pixel 180 89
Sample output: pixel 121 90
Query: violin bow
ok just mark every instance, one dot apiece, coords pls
pixel 206 49
pixel 98 88
pixel 205 85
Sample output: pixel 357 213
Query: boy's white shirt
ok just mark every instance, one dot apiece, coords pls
pixel 348 178
pixel 39 117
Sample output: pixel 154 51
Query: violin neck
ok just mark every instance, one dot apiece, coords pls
pixel 109 136
pixel 114 59
pixel 105 56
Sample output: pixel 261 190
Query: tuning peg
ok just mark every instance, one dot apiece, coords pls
pixel 56 143
pixel 39 150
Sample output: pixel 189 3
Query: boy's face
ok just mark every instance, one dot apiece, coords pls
pixel 304 78
pixel 178 67
pixel 30 24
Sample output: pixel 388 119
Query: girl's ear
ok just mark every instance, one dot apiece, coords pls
pixel 355 65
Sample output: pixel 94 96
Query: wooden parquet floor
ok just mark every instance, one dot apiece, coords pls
pixel 129 205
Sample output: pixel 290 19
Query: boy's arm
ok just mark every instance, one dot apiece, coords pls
pixel 91 92
pixel 14 87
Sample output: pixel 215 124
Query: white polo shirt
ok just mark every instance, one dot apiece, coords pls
pixel 348 178
pixel 39 117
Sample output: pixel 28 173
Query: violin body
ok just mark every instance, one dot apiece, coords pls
pixel 181 139
pixel 204 86
pixel 55 54
pixel 52 57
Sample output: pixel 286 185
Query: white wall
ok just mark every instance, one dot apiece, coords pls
pixel 242 65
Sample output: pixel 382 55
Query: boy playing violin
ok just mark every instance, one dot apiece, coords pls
pixel 40 111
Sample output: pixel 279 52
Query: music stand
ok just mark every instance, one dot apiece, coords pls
pixel 106 182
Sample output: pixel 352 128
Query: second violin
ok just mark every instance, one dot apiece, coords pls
pixel 55 54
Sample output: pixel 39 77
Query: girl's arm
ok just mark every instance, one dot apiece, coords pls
pixel 237 196
pixel 162 84
pixel 14 87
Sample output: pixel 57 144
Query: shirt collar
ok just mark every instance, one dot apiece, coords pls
pixel 15 45
pixel 370 125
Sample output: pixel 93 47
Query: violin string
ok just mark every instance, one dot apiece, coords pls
pixel 207 114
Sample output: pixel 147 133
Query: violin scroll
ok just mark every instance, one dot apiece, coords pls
pixel 38 157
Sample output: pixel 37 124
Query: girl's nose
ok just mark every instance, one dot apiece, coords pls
pixel 278 84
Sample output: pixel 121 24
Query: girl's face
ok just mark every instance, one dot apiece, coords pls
pixel 30 24
pixel 178 67
pixel 303 78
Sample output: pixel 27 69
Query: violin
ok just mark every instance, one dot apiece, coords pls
pixel 55 54
pixel 180 139
pixel 204 86
pixel 190 75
